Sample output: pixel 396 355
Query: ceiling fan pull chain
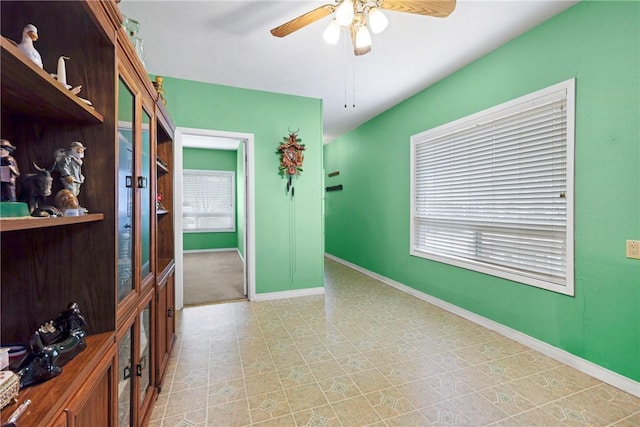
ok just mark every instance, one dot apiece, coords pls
pixel 353 76
pixel 344 51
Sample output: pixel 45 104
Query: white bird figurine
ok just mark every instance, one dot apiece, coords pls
pixel 61 75
pixel 29 35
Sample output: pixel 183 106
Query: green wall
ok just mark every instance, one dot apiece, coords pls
pixel 206 159
pixel 240 197
pixel 367 224
pixel 288 231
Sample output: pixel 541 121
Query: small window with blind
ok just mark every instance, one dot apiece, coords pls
pixel 493 192
pixel 208 201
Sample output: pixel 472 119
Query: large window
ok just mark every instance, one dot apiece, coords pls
pixel 208 201
pixel 493 192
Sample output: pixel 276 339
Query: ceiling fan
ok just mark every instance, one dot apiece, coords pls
pixel 360 16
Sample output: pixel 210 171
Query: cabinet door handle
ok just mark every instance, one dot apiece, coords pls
pixel 128 182
pixel 140 366
pixel 127 372
pixel 142 182
pixel 170 312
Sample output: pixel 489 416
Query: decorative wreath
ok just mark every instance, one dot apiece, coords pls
pixel 291 157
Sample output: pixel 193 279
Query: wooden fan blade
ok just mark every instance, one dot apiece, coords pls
pixel 437 8
pixel 303 20
pixel 358 51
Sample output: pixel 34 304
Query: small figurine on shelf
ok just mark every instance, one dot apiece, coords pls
pixel 69 164
pixel 61 77
pixel 159 205
pixel 158 85
pixel 66 200
pixel 29 35
pixel 36 187
pixel 8 171
pixel 61 74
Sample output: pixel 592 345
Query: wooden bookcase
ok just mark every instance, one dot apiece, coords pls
pixel 46 263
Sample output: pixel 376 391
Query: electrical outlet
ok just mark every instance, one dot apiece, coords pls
pixel 633 249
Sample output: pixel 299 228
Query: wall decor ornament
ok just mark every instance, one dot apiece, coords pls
pixel 291 158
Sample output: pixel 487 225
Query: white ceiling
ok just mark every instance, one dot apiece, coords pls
pixel 229 43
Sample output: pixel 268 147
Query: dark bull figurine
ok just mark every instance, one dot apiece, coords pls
pixel 35 187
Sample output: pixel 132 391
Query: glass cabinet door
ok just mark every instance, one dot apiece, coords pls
pixel 126 113
pixel 125 356
pixel 144 184
pixel 144 362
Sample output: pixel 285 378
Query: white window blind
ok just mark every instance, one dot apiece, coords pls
pixel 493 192
pixel 208 201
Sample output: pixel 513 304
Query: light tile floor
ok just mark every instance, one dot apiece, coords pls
pixel 367 354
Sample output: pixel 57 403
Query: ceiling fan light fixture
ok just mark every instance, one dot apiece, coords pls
pixel 332 34
pixel 377 20
pixel 363 38
pixel 344 13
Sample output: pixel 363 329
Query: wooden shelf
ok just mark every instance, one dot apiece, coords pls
pixel 161 167
pixel 26 223
pixel 47 398
pixel 29 90
pixel 166 266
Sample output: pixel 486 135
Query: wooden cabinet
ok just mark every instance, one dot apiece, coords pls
pixel 164 242
pixel 145 238
pixel 93 403
pixel 166 324
pixel 117 261
pixel 136 391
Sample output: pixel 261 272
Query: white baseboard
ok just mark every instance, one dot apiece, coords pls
pixel 605 375
pixel 201 251
pixel 289 294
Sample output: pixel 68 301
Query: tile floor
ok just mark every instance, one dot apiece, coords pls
pixel 365 354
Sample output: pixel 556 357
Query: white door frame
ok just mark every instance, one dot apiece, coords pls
pixel 249 232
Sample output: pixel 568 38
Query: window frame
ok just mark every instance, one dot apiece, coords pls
pixel 503 110
pixel 207 172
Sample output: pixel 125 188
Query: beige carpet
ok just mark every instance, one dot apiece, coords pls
pixel 212 277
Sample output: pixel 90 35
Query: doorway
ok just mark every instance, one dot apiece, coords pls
pixel 242 144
